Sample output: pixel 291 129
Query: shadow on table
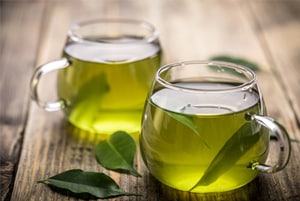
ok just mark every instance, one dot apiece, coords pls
pixel 84 136
pixel 89 137
pixel 245 193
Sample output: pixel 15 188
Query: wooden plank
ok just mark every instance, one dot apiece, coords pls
pixel 20 25
pixel 277 27
pixel 189 30
pixel 280 29
pixel 49 147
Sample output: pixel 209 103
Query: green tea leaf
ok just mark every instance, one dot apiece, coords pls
pixel 229 154
pixel 187 122
pixel 117 153
pixel 95 86
pixel 241 61
pixel 86 101
pixel 80 182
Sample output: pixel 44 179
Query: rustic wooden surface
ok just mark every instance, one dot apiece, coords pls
pixel 35 144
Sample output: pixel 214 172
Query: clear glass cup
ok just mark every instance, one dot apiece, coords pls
pixel 104 75
pixel 205 128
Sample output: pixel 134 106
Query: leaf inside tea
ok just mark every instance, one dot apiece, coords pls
pixel 86 101
pixel 230 153
pixel 187 122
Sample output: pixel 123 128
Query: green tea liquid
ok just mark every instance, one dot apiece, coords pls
pixel 106 86
pixel 178 156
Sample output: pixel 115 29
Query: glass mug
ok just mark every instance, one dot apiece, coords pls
pixel 104 75
pixel 204 128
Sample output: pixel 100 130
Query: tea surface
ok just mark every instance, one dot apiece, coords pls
pixel 106 86
pixel 212 150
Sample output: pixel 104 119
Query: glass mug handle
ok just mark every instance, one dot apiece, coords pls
pixel 49 67
pixel 284 144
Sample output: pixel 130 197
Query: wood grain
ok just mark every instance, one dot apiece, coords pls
pixel 278 27
pixel 20 27
pixel 264 32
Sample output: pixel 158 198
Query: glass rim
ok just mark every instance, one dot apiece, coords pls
pixel 241 87
pixel 72 32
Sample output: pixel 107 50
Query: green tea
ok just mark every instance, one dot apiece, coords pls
pixel 202 142
pixel 106 85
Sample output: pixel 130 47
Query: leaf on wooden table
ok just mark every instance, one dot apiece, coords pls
pixel 237 60
pixel 229 154
pixel 81 183
pixel 117 153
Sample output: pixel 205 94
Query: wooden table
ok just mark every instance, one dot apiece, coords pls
pixel 35 144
